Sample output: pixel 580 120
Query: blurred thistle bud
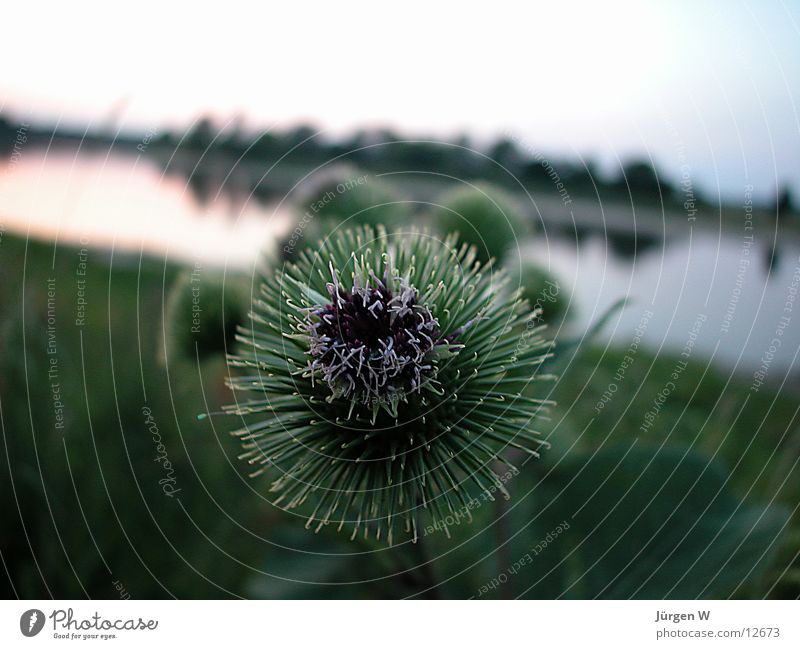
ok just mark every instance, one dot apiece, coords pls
pixel 544 292
pixel 484 216
pixel 201 314
pixel 340 197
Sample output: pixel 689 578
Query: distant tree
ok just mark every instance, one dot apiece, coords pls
pixel 506 153
pixel 6 135
pixel 201 134
pixel 582 177
pixel 533 172
pixel 640 178
pixel 784 202
pixel 422 156
pixel 236 138
pixel 265 145
pixel 304 142
pixel 357 147
pixel 302 134
pixel 469 164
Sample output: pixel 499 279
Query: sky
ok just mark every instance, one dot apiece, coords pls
pixel 706 88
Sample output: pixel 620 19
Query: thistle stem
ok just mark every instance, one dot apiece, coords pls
pixel 502 531
pixel 503 548
pixel 425 575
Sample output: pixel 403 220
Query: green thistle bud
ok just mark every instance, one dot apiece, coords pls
pixel 543 290
pixel 484 216
pixel 202 312
pixel 389 375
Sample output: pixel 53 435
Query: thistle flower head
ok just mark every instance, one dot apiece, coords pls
pixel 389 374
pixel 374 343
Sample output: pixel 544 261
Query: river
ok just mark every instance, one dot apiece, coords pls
pixel 727 296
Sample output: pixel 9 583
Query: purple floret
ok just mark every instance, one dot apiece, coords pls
pixel 370 343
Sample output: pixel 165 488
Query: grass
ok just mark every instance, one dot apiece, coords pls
pixel 84 506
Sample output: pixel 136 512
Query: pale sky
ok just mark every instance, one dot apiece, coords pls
pixel 715 85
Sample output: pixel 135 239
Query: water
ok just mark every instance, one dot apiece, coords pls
pixel 128 203
pixel 713 291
